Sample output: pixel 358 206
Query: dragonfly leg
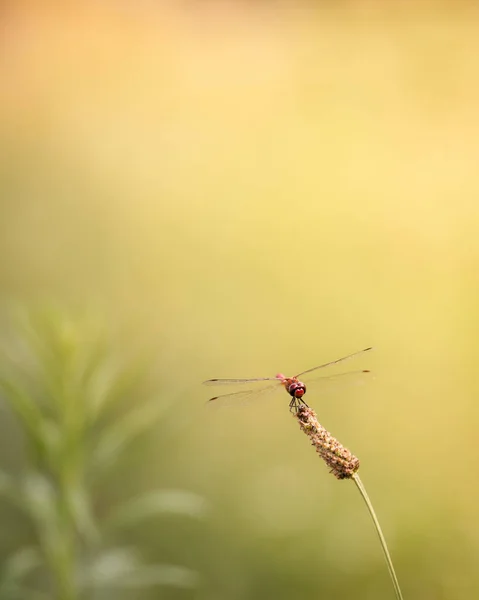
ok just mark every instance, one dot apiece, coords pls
pixel 295 404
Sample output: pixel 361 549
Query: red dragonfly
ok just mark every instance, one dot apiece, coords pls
pixel 295 388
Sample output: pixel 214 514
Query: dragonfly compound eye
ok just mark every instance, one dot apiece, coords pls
pixel 296 390
pixel 300 391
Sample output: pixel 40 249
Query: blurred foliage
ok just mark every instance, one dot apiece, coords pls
pixel 237 189
pixel 66 385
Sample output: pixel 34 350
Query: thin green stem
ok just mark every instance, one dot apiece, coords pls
pixel 384 546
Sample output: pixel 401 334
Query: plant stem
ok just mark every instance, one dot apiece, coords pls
pixel 384 546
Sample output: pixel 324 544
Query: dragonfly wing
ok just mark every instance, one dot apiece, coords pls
pixel 236 381
pixel 224 399
pixel 333 362
pixel 335 385
pixel 337 376
pixel 233 395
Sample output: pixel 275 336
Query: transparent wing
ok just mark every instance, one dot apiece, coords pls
pixel 335 387
pixel 234 397
pixel 348 375
pixel 333 362
pixel 237 381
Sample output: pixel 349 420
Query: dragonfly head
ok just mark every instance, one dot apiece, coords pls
pixel 295 388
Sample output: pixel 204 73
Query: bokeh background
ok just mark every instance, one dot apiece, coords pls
pixel 229 189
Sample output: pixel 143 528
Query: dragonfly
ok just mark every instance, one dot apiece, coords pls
pixel 293 385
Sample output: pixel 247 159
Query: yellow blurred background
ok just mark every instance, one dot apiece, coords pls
pixel 254 187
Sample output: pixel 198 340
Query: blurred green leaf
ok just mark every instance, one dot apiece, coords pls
pixel 80 508
pixel 18 566
pixel 121 568
pixel 177 502
pixel 40 501
pixel 105 568
pixel 112 381
pixel 25 407
pixel 20 592
pixel 123 431
pixel 43 433
pixel 153 575
pixel 9 489
pixel 39 497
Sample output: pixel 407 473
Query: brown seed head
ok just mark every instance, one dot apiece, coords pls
pixel 342 462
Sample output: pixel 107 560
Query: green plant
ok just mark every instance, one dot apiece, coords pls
pixel 72 393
